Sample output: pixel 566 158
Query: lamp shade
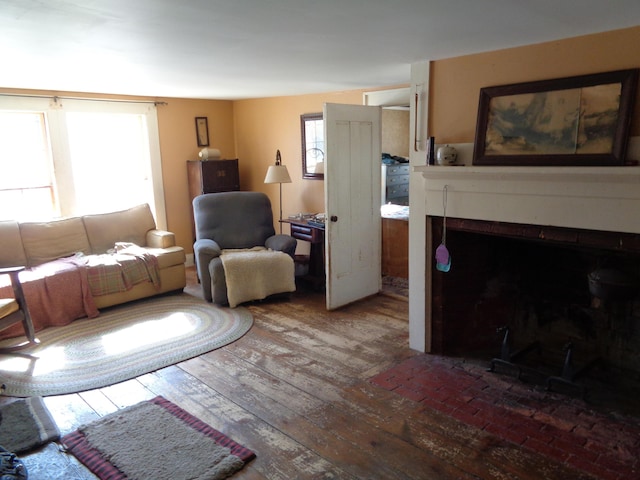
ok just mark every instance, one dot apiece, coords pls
pixel 277 174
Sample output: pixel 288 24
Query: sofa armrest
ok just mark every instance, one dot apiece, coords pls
pixel 282 243
pixel 160 239
pixel 205 250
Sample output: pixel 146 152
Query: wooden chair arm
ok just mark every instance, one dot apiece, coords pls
pixel 10 270
pixel 15 283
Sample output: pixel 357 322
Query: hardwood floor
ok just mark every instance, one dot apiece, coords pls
pixel 295 389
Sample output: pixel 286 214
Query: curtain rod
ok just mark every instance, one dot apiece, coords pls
pixel 55 98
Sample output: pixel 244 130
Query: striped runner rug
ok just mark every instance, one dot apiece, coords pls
pixel 123 342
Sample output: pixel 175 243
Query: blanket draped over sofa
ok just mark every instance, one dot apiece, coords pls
pixel 121 270
pixel 81 264
pixel 256 273
pixel 56 292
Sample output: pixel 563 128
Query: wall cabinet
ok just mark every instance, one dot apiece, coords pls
pixel 211 176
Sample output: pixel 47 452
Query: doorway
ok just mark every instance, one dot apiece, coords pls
pixel 394 208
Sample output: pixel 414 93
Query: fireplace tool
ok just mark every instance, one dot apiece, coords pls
pixel 443 258
pixel 507 357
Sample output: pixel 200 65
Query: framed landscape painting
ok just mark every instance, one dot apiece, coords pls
pixel 569 121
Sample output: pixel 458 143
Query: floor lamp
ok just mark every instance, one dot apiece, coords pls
pixel 278 174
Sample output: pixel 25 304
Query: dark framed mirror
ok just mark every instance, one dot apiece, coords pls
pixel 312 134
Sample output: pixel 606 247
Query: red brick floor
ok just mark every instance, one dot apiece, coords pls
pixel 600 443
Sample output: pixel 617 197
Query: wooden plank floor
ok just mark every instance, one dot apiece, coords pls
pixel 295 390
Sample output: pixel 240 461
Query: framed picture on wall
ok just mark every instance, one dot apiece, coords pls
pixel 581 120
pixel 202 131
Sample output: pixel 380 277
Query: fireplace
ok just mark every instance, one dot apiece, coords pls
pixel 524 241
pixel 549 286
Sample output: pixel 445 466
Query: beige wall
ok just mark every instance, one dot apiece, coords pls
pixel 395 132
pixel 176 123
pixel 265 125
pixel 456 82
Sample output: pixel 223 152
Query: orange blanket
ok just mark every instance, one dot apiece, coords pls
pixel 57 293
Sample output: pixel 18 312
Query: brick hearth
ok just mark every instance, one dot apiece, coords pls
pixel 598 442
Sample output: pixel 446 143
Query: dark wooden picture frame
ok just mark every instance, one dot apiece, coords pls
pixel 312 148
pixel 582 120
pixel 202 131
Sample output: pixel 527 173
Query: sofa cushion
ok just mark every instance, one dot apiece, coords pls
pixel 46 241
pixel 12 252
pixel 105 229
pixel 160 239
pixel 168 257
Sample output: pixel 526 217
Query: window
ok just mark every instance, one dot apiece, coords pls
pixel 26 183
pixel 63 157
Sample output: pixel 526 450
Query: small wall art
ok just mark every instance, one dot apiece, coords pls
pixel 202 131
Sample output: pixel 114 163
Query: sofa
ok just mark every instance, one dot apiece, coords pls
pixel 79 265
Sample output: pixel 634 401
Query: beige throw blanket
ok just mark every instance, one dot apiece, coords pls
pixel 256 273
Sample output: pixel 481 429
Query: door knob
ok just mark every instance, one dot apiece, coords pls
pixel 334 218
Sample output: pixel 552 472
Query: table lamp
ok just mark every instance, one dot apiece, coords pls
pixel 278 174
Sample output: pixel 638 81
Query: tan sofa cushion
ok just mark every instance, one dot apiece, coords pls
pixel 160 239
pixel 46 241
pixel 11 250
pixel 168 257
pixel 132 225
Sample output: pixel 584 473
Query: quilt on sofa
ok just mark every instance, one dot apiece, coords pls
pixel 121 270
pixel 57 292
pixel 63 290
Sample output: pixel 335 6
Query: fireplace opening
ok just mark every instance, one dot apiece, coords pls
pixel 559 306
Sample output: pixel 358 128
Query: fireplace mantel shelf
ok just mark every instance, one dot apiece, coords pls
pixel 626 174
pixel 596 198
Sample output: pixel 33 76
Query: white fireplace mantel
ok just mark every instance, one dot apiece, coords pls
pixel 595 198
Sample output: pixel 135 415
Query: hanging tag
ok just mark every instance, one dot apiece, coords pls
pixel 443 259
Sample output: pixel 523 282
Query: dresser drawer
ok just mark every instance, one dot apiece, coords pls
pixel 398 169
pixel 395 191
pixel 397 179
pixel 308 234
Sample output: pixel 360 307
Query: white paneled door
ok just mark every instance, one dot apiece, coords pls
pixel 352 202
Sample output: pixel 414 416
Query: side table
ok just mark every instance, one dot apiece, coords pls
pixel 314 234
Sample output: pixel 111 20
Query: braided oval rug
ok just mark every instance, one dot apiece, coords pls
pixel 123 342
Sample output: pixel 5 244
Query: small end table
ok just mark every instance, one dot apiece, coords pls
pixel 301 229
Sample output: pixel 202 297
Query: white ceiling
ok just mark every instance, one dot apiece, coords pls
pixel 232 49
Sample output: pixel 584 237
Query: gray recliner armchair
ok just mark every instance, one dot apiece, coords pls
pixel 235 220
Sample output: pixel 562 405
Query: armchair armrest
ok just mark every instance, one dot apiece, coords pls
pixel 160 239
pixel 15 281
pixel 282 243
pixel 9 270
pixel 205 250
pixel 18 293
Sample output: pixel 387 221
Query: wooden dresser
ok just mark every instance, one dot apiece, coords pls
pixel 395 184
pixel 211 176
